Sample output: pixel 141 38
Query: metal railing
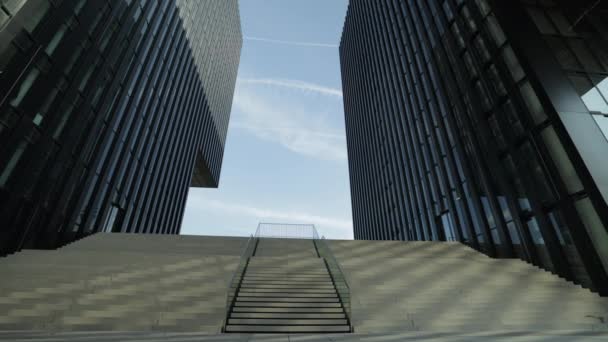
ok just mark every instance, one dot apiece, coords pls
pixel 235 281
pixel 286 231
pixel 336 273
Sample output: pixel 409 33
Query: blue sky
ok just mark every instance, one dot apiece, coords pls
pixel 285 159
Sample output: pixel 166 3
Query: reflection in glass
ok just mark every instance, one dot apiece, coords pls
pixel 594 101
pixel 591 96
pixel 561 160
pixel 602 121
pixel 595 228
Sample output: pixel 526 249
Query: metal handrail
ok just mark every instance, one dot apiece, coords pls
pixel 335 272
pixel 235 281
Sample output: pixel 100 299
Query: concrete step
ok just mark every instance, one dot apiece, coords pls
pixel 285 272
pixel 288 268
pixel 240 299
pixel 294 286
pixel 269 304
pixel 288 310
pixel 247 294
pixel 245 289
pixel 296 278
pixel 282 315
pixel 287 282
pixel 287 329
pixel 270 321
pixel 300 279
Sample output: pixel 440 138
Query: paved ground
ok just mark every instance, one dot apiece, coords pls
pixel 513 336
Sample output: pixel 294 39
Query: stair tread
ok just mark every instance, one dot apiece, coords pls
pixel 283 310
pixel 286 304
pixel 286 321
pixel 286 290
pixel 288 300
pixel 293 294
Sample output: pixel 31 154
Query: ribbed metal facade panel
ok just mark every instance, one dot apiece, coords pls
pixel 457 128
pixel 110 110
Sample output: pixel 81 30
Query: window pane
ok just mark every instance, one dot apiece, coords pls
pixel 496 80
pixel 534 169
pixel 584 55
pixel 10 166
pixel 561 160
pixel 603 87
pixel 484 8
pixel 38 11
pixel 482 48
pixel 542 22
pixel 13 6
pixel 517 129
pixel 562 23
pixel 595 228
pixel 56 40
pixel 539 242
pixel 595 102
pixel 26 84
pixel 495 30
pixel 562 52
pixel 533 103
pixel 512 63
pixel 602 121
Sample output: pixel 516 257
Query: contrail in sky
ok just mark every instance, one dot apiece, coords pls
pixel 293 84
pixel 286 42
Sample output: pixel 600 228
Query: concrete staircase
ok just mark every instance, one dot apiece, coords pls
pixel 120 282
pixel 173 288
pixel 287 288
pixel 443 286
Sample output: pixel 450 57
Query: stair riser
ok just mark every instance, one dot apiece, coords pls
pixel 286 277
pixel 287 305
pixel 288 315
pixel 264 321
pixel 287 310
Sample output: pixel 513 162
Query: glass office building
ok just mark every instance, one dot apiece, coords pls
pixel 109 111
pixel 485 122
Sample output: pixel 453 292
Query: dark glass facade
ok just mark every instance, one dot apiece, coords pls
pixel 484 122
pixel 109 111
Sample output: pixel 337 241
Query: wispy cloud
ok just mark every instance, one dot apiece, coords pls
pixel 296 127
pixel 287 42
pixel 293 84
pixel 328 225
